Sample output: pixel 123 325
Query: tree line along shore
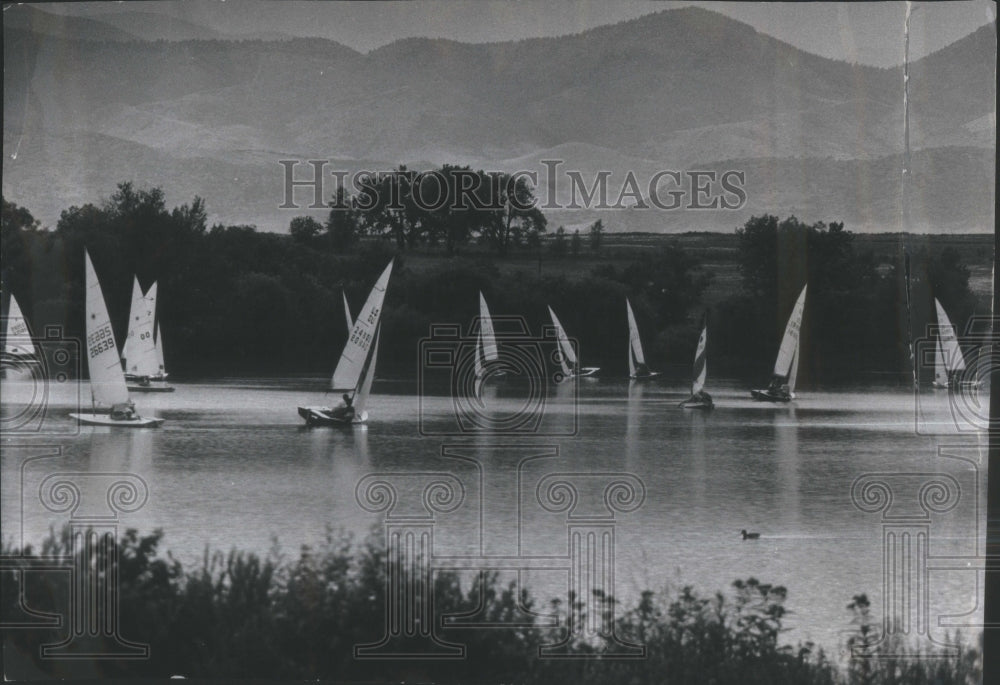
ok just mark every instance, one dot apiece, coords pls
pixel 236 300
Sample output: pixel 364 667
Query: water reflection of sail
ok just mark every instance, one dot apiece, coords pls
pixel 361 445
pixel 119 457
pixel 109 451
pixel 786 439
pixel 633 418
pixel 699 458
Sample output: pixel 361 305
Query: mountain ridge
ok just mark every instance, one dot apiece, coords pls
pixel 677 88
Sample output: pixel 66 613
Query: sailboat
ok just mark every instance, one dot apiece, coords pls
pixel 107 381
pixel 637 369
pixel 158 339
pixel 699 398
pixel 142 356
pixel 949 362
pixel 786 366
pixel 567 357
pixel 356 369
pixel 17 344
pixel 486 346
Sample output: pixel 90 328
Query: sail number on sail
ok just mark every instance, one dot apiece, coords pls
pixel 361 337
pixel 100 340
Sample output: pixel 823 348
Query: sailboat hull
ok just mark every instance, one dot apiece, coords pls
pixel 152 387
pixel 585 372
pixel 770 396
pixel 156 377
pixel 645 376
pixel 11 358
pixel 694 403
pixel 106 420
pixel 324 416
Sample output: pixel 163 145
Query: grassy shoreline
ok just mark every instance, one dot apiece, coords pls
pixel 240 615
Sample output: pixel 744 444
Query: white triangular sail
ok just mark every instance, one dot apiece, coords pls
pixel 477 361
pixel 489 339
pixel 133 317
pixel 141 345
pixel 635 356
pixel 107 382
pixel 940 372
pixel 361 398
pixel 159 351
pixel 700 362
pixel 790 342
pixel 794 373
pixel 352 359
pixel 953 358
pixel 568 356
pixel 17 340
pixel 347 313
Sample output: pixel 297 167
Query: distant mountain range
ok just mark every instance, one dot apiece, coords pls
pixel 89 103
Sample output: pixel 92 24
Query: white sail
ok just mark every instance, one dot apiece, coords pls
pixel 141 346
pixel 635 344
pixel 794 373
pixel 568 355
pixel 489 339
pixel 352 359
pixel 159 351
pixel 940 372
pixel 107 382
pixel 17 340
pixel 366 384
pixel 700 362
pixel 953 358
pixel 477 361
pixel 161 369
pixel 790 342
pixel 133 317
pixel 347 313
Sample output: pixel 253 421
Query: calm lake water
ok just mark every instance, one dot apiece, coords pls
pixel 234 467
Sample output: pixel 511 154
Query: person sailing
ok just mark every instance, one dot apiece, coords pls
pixel 123 412
pixel 344 409
pixel 703 397
pixel 779 387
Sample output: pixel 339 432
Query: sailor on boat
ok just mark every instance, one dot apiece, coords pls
pixel 344 410
pixel 124 411
pixel 778 388
pixel 782 385
pixel 700 398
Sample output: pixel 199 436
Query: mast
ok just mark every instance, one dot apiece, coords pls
pixel 700 361
pixel 635 357
pixel 909 322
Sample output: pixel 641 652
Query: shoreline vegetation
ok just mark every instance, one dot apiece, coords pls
pixel 240 615
pixel 237 301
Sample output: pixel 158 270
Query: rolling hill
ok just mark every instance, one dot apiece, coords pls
pixel 86 106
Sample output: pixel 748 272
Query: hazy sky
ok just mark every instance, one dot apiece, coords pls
pixel 870 33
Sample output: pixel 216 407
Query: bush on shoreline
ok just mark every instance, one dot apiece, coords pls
pixel 240 615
